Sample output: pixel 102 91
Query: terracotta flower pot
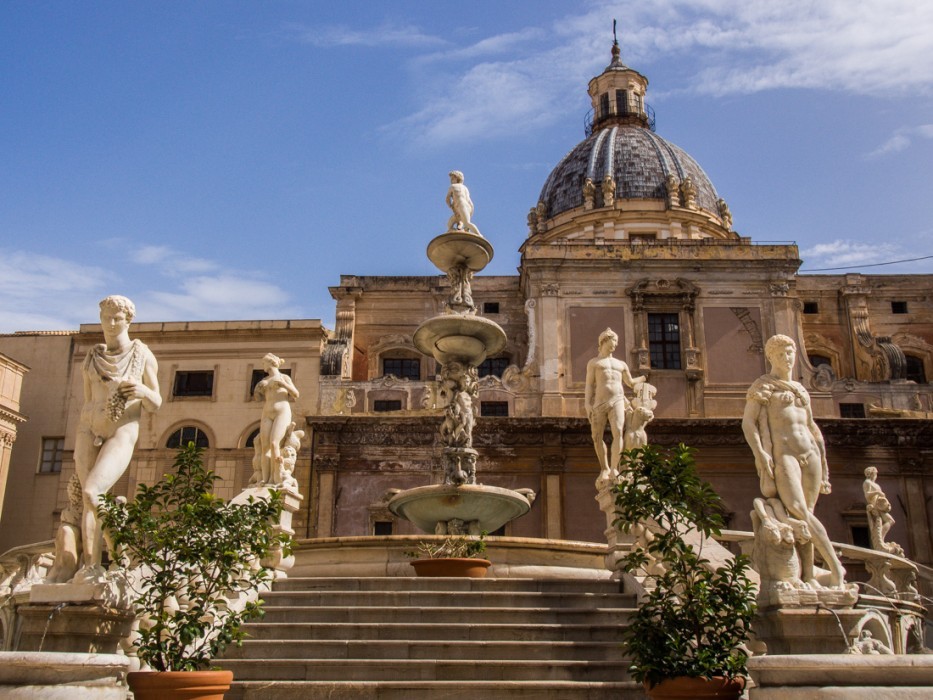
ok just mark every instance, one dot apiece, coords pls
pixel 469 568
pixel 686 688
pixel 183 685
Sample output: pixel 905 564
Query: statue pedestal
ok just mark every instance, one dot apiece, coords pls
pixel 291 501
pixel 57 676
pixel 808 630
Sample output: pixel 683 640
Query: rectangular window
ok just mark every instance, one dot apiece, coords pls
pixel 851 410
pixel 621 102
pixel 603 104
pixel 382 528
pixel 52 450
pixel 494 408
pixel 898 307
pixel 664 340
pixel 386 405
pixel 259 374
pixel 492 365
pixel 403 368
pixel 861 536
pixel 642 237
pixel 490 307
pixel 811 307
pixel 194 383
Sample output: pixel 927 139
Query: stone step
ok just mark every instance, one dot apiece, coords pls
pixel 447 615
pixel 434 598
pixel 463 631
pixel 432 650
pixel 390 583
pixel 424 670
pixel 434 690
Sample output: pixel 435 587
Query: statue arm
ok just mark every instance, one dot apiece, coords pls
pixel 763 460
pixel 290 386
pixel 590 386
pixel 629 379
pixel 146 390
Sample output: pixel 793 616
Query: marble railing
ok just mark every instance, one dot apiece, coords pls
pixel 889 576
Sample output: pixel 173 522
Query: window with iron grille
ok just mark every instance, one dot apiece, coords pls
pixel 664 341
pixel 851 410
pixel 186 434
pixel 494 408
pixel 492 365
pixel 386 405
pixel 52 450
pixel 401 367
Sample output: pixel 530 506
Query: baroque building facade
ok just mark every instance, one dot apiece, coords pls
pixel 628 232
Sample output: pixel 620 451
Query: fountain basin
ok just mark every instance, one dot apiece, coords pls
pixel 455 338
pixel 455 248
pixel 490 506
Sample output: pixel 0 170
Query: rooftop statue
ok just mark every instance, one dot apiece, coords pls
pixel 605 402
pixel 120 380
pixel 790 457
pixel 458 199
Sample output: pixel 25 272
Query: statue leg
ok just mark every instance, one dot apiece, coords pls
pixel 599 444
pixel 617 426
pixel 112 460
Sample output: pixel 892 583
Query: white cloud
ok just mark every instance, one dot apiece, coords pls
pixel 874 47
pixel 843 253
pixel 225 296
pixel 902 139
pixel 171 262
pixel 39 292
pixel 388 34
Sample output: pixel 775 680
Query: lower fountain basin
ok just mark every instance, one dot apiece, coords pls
pixel 491 506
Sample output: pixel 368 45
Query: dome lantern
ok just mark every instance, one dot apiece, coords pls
pixel 618 94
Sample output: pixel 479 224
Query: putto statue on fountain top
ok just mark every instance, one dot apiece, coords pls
pixel 878 508
pixel 458 199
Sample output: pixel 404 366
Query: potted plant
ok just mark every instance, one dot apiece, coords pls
pixel 194 573
pixel 687 637
pixel 453 556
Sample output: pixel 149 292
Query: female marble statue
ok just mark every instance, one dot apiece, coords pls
pixel 276 391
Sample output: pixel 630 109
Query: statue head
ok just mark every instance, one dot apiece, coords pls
pixel 871 473
pixel 608 335
pixel 777 344
pixel 273 360
pixel 455 176
pixel 116 303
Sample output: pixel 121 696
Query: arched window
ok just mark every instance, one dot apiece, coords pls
pixel 915 370
pixel 492 365
pixel 186 434
pixel 817 360
pixel 251 440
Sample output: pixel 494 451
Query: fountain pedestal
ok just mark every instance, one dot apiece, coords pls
pixel 459 341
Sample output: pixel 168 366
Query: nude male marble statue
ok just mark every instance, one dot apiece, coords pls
pixel 790 455
pixel 120 380
pixel 605 402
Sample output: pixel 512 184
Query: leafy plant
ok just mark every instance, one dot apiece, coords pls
pixel 461 547
pixel 694 620
pixel 197 555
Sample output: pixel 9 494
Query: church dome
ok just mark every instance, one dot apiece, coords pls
pixel 623 167
pixel 639 161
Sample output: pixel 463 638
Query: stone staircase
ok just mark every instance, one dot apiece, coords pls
pixel 396 638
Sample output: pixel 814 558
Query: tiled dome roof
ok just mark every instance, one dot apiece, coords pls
pixel 640 164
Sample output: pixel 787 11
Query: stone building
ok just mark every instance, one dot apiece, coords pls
pixel 627 232
pixel 206 374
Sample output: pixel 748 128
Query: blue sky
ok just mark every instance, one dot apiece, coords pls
pixel 229 160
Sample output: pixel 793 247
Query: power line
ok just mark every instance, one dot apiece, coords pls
pixel 849 267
